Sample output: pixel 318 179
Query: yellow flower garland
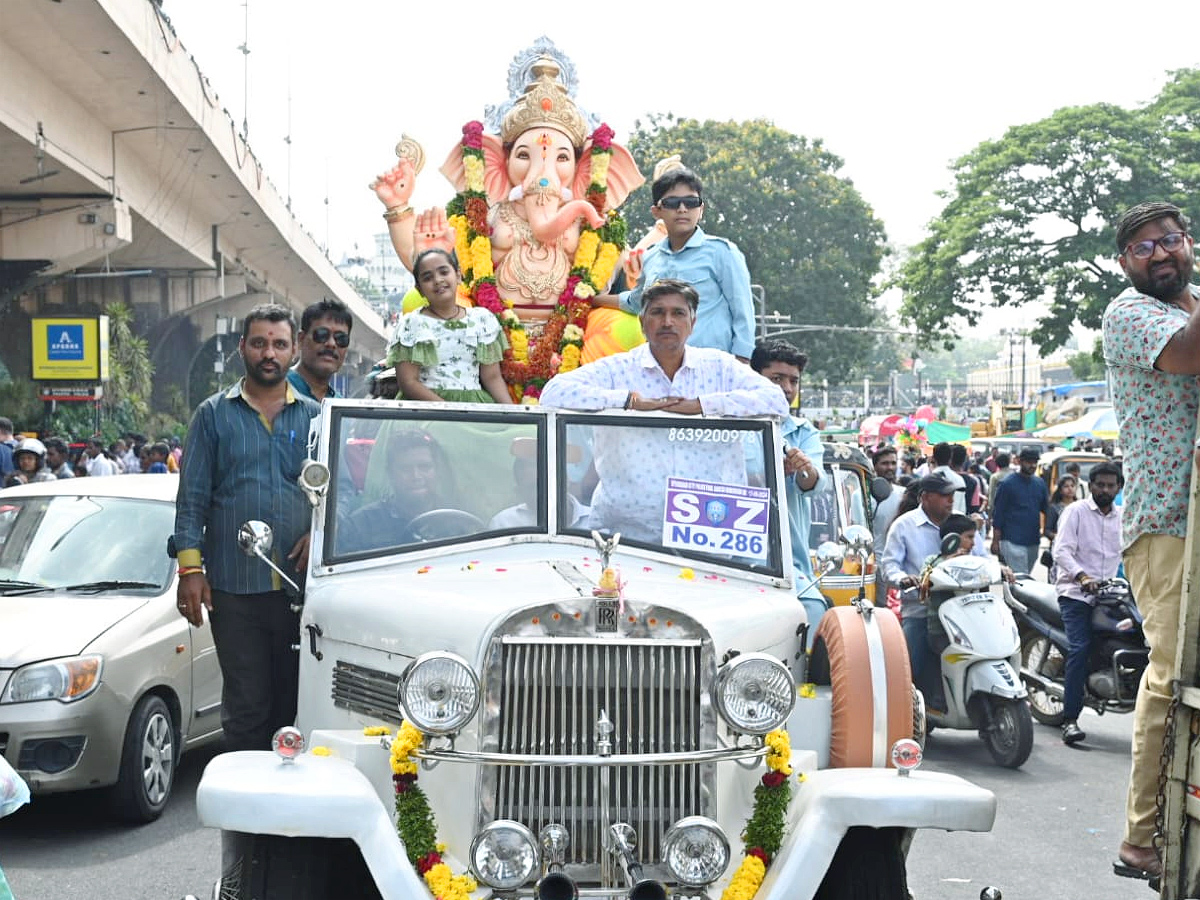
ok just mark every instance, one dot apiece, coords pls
pixel 443 884
pixel 748 877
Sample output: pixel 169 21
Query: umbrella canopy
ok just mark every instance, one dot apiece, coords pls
pixel 1099 423
pixel 890 425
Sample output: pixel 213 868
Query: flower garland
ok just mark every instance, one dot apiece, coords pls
pixel 527 368
pixel 763 833
pixel 415 823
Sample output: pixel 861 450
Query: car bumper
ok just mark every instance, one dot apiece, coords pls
pixel 38 738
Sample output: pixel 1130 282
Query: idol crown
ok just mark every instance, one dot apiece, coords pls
pixel 545 104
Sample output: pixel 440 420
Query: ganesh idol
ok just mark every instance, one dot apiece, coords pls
pixel 534 224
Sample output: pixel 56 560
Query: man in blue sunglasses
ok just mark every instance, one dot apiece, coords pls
pixel 322 343
pixel 714 266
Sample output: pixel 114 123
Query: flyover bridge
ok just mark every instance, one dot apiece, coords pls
pixel 122 178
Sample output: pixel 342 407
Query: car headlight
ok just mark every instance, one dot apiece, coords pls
pixel 754 693
pixel 696 851
pixel 438 693
pixel 504 855
pixel 62 679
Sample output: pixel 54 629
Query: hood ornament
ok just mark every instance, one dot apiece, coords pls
pixel 609 602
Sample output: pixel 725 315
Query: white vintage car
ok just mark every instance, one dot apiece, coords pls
pixel 596 713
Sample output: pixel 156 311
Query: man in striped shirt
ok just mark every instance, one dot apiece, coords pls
pixel 242 458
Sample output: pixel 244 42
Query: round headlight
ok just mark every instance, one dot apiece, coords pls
pixel 754 693
pixel 438 693
pixel 504 855
pixel 696 851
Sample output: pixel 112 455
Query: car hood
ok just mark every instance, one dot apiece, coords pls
pixel 456 602
pixel 45 626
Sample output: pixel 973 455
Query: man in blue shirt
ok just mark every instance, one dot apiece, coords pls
pixel 322 343
pixel 803 463
pixel 912 539
pixel 241 461
pixel 714 266
pixel 1021 501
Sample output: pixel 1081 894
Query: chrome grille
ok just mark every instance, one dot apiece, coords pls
pixel 366 690
pixel 549 695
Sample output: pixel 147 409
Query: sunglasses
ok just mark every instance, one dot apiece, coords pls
pixel 321 335
pixel 1145 249
pixel 676 202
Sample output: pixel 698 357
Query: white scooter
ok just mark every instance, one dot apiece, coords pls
pixel 981 662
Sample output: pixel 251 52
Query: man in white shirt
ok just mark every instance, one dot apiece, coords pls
pixel 95 461
pixel 663 374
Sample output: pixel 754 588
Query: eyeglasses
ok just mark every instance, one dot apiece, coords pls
pixel 676 202
pixel 1145 249
pixel 321 336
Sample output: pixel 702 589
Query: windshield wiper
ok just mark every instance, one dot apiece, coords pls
pixel 110 585
pixel 9 586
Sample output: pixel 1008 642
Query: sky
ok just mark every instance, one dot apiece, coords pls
pixel 897 90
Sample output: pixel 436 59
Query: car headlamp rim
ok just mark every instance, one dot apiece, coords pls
pixel 728 680
pixel 719 842
pixel 486 837
pixel 427 724
pixel 77 677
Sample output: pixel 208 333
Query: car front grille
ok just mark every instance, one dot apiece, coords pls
pixel 366 690
pixel 547 698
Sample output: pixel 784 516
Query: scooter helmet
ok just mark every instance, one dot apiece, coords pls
pixel 34 446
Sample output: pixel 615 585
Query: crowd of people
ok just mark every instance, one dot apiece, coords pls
pixel 26 458
pixel 245 446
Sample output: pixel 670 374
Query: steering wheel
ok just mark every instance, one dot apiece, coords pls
pixel 438 524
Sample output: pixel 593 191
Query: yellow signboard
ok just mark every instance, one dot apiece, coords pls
pixel 70 349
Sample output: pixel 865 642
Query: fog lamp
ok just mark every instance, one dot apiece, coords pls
pixel 504 855
pixel 754 693
pixel 438 693
pixel 696 851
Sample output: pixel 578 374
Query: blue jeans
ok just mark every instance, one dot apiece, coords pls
pixel 1019 557
pixel 1077 618
pixel 926 667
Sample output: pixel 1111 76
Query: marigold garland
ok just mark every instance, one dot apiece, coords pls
pixel 415 823
pixel 763 833
pixel 527 368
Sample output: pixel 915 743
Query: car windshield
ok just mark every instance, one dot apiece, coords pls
pixel 64 541
pixel 838 503
pixel 407 479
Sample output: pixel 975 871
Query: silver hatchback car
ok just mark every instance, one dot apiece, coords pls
pixel 102 682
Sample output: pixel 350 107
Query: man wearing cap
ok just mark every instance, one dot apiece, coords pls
pixel 913 538
pixel 1021 501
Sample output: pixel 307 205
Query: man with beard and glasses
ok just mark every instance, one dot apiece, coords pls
pixel 323 341
pixel 1152 351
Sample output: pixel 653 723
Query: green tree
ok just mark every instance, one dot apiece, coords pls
pixel 1031 214
pixel 1088 365
pixel 809 238
pixel 130 373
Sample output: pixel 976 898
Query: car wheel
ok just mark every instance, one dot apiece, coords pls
pixel 868 865
pixel 148 760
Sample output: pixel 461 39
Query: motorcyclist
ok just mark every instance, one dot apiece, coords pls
pixel 1087 550
pixel 29 461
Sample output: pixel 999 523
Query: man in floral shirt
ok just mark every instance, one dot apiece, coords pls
pixel 1152 350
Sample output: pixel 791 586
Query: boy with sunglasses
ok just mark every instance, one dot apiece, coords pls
pixel 1152 351
pixel 714 266
pixel 322 342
